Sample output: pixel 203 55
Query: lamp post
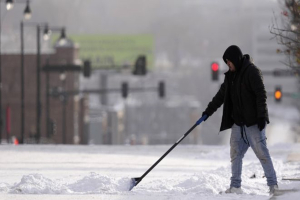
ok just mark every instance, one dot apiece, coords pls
pixel 64 97
pixel 38 69
pixel 27 15
pixel 47 103
pixel 47 32
pixel 38 82
pixel 32 24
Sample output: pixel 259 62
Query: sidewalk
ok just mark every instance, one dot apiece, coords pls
pixel 294 156
pixel 289 188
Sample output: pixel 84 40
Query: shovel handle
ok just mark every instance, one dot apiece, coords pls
pixel 136 181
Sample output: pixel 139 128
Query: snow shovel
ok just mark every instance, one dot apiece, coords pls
pixel 135 181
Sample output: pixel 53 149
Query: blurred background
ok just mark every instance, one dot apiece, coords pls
pixel 136 72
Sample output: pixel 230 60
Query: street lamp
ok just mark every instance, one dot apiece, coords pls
pixel 63 38
pixel 9 4
pixel 38 71
pixel 47 33
pixel 27 13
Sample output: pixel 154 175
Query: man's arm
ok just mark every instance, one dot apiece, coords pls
pixel 217 101
pixel 258 87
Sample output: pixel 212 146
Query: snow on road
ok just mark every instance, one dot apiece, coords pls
pixel 103 172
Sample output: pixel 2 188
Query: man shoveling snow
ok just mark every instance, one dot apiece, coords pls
pixel 245 112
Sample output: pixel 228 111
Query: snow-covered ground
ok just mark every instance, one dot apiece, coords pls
pixel 103 172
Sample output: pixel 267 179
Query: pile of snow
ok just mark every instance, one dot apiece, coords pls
pixel 92 184
pixel 206 183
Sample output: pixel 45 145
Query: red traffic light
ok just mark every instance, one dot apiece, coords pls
pixel 215 66
pixel 215 71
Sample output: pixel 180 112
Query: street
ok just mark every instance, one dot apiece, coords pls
pixel 103 172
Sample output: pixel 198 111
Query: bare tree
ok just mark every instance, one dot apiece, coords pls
pixel 287 33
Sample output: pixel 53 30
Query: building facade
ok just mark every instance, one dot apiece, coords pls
pixel 56 120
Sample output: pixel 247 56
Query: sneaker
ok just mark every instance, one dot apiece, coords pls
pixel 234 190
pixel 272 189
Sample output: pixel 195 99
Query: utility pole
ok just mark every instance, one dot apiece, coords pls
pixel 1 122
pixel 48 104
pixel 22 84
pixel 64 114
pixel 38 83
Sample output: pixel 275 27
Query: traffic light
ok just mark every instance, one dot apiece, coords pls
pixel 140 67
pixel 124 90
pixel 87 68
pixel 215 71
pixel 278 94
pixel 161 89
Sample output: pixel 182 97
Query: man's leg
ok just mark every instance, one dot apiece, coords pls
pixel 257 141
pixel 238 148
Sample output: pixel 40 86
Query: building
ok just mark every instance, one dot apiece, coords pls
pixel 72 114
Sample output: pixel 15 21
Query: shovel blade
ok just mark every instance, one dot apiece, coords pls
pixel 133 182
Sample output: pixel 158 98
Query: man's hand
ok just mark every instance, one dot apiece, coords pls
pixel 205 113
pixel 261 123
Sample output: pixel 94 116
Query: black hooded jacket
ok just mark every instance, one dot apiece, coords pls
pixel 250 95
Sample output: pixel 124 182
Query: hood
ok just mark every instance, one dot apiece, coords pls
pixel 246 60
pixel 235 55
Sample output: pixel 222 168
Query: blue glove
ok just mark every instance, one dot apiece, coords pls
pixel 205 113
